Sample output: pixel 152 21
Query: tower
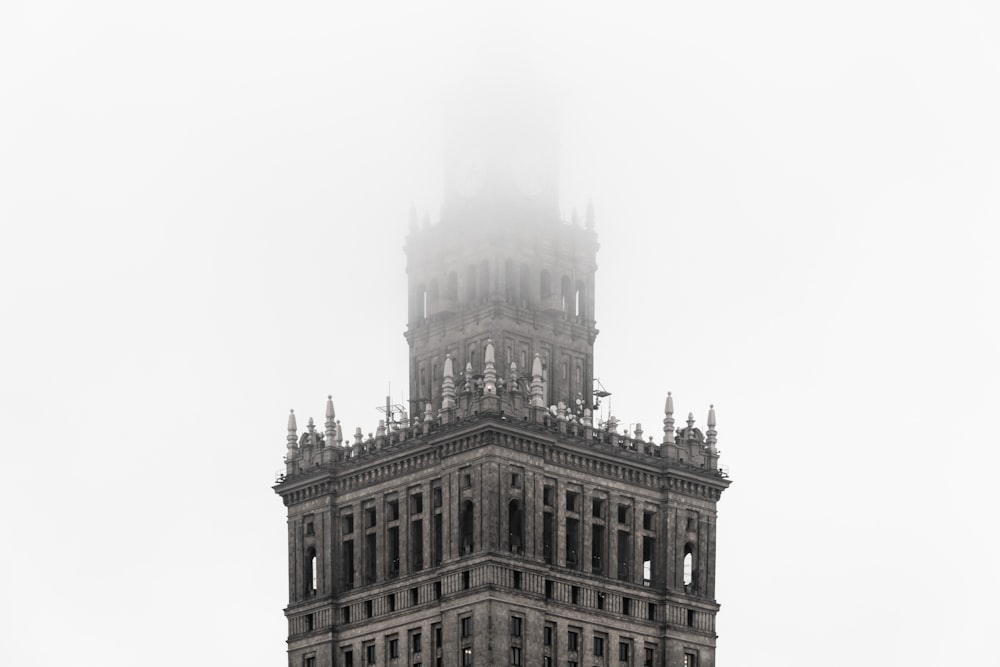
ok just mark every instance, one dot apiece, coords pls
pixel 495 523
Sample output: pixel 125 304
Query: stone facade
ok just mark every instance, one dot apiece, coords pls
pixel 500 525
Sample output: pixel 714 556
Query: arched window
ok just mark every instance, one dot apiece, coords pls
pixel 515 527
pixel 510 281
pixel 484 280
pixel 470 284
pixel 451 287
pixel 433 294
pixel 467 527
pixel 545 284
pixel 688 564
pixel 420 302
pixel 311 573
pixel 524 288
pixel 567 293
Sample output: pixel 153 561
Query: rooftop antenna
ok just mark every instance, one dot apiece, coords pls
pixel 393 412
pixel 599 393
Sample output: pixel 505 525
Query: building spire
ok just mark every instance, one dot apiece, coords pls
pixel 448 386
pixel 537 389
pixel 710 434
pixel 331 424
pixel 293 435
pixel 489 370
pixel 668 422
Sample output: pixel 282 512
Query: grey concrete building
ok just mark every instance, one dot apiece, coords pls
pixel 495 522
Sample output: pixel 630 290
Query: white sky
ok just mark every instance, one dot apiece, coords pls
pixel 202 212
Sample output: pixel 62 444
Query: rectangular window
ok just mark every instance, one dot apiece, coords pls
pixel 370 517
pixel 571 498
pixel 623 651
pixel 309 528
pixel 415 642
pixel 690 660
pixel 647 521
pixel 466 626
pixel 393 648
pixel 547 661
pixel 467 656
pixel 515 656
pixel 547 636
pixel 348 521
pixel 547 493
pixel 648 662
pixel 370 654
pixel 436 493
pixel 393 510
pixel 598 508
pixel 571 640
pixel 598 646
pixel 309 661
pixel 515 626
pixel 348 658
pixel 416 503
pixel 623 514
pixel 515 480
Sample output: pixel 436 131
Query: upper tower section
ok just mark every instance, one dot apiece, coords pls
pixel 501 264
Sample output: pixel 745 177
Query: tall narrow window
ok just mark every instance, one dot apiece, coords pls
pixel 648 549
pixel 470 284
pixel 484 280
pixel 515 540
pixel 467 522
pixel 311 574
pixel 688 564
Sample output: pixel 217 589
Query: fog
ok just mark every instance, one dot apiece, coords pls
pixel 202 213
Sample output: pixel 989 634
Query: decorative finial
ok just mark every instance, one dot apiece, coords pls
pixel 710 434
pixel 537 388
pixel 589 220
pixel 331 425
pixel 293 434
pixel 490 370
pixel 448 386
pixel 668 422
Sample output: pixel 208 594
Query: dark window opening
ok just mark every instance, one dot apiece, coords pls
pixel 348 523
pixel 368 608
pixel 626 606
pixel 547 493
pixel 370 517
pixel 393 648
pixel 345 613
pixel 572 542
pixel 599 646
pixel 571 498
pixel 417 545
pixel 515 626
pixel 651 611
pixel 623 514
pixel 597 554
pixel 517 579
pixel 438 544
pixel 623 651
pixel 390 600
pixel 465 580
pixel 647 521
pixel 598 508
pixel 547 537
pixel 416 503
pixel 467 523
pixel 690 618
pixel 600 600
pixel 414 597
pixel 393 551
pixel 348 558
pixel 415 642
pixel 624 554
pixel 437 590
pixel 549 585
pixel 515 525
pixel 393 510
pixel 574 595
pixel 466 627
pixel 371 559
